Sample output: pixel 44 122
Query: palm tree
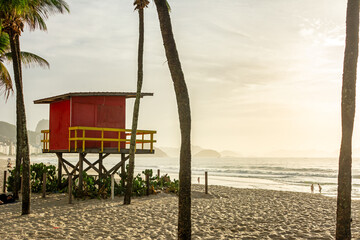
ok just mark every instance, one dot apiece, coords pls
pixel 14 14
pixel 183 103
pixel 343 214
pixel 139 5
pixel 28 59
pixel 5 79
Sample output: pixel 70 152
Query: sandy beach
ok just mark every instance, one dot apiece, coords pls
pixel 225 213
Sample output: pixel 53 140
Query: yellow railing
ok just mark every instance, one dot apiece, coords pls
pixel 101 139
pixel 45 140
pixel 83 130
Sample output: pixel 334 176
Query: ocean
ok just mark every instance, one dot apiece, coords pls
pixel 284 174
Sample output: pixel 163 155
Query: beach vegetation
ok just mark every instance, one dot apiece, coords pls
pixel 37 170
pixel 90 189
pixel 93 187
pixel 183 104
pixel 343 214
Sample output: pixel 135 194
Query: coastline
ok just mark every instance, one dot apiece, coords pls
pixel 225 213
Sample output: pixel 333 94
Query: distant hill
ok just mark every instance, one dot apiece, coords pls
pixel 158 153
pixel 229 154
pixel 196 149
pixel 171 151
pixel 208 153
pixel 42 125
pixel 8 134
pixel 175 152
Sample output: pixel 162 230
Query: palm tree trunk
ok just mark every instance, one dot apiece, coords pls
pixel 183 103
pixel 17 76
pixel 130 176
pixel 22 137
pixel 343 215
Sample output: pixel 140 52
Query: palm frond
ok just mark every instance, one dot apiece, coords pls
pixel 141 4
pixel 32 60
pixel 30 12
pixel 60 5
pixel 4 43
pixel 35 20
pixel 29 60
pixel 168 6
pixel 48 7
pixel 5 82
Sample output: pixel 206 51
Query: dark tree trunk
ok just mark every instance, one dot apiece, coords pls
pixel 343 215
pixel 22 146
pixel 17 76
pixel 130 176
pixel 182 98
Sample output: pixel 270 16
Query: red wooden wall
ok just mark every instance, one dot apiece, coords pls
pixel 87 111
pixel 59 125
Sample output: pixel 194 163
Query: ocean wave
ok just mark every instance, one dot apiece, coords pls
pixel 265 172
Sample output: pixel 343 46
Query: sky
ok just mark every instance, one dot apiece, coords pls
pixel 264 77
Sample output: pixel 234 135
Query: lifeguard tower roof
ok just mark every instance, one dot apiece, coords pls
pixel 88 94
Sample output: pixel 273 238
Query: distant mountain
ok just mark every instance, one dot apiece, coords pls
pixel 42 125
pixel 208 153
pixel 175 152
pixel 171 151
pixel 227 153
pixel 8 134
pixel 158 153
pixel 195 149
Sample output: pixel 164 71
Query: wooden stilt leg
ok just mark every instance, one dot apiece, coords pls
pixel 4 186
pixel 100 167
pixel 70 187
pixel 44 186
pixel 81 163
pixel 59 155
pixel 206 182
pixel 123 170
pixel 147 179
pixel 112 186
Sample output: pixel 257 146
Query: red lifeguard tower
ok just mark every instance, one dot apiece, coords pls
pixel 91 122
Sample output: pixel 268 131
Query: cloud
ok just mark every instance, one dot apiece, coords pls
pixel 324 33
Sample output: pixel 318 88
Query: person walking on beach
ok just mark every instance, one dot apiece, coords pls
pixel 319 188
pixel 312 188
pixel 9 163
pixel 198 180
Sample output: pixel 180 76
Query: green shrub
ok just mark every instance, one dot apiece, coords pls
pixel 93 188
pixel 36 172
pixel 89 188
pixel 139 186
